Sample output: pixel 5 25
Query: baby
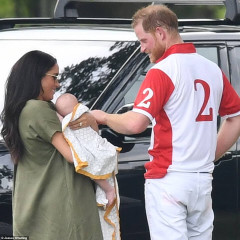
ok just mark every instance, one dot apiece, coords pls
pixel 92 154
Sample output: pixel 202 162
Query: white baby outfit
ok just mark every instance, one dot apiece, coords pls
pixel 96 158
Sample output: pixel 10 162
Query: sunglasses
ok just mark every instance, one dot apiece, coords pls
pixel 56 77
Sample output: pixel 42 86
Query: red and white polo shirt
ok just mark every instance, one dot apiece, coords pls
pixel 182 95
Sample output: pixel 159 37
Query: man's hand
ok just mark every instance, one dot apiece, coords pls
pixel 86 120
pixel 100 116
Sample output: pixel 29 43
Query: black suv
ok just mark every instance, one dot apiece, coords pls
pixel 100 63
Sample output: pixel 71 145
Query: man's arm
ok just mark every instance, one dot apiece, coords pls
pixel 228 134
pixel 126 123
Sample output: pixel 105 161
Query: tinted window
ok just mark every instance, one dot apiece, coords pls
pixel 234 57
pixel 86 67
pixel 210 53
pixel 87 78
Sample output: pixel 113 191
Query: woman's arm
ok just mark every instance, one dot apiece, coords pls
pixel 59 142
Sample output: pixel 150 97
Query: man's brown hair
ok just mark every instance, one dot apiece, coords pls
pixel 154 16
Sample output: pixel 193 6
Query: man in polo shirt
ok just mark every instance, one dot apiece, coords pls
pixel 182 95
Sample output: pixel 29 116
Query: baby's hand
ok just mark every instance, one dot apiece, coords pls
pixel 111 196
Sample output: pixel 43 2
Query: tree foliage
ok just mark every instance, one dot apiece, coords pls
pixel 45 8
pixel 199 11
pixel 26 8
pixel 7 8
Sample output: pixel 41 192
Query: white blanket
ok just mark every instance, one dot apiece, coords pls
pixel 96 158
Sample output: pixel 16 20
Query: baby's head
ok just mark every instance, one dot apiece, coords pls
pixel 65 104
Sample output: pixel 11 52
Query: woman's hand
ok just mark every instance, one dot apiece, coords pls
pixel 86 120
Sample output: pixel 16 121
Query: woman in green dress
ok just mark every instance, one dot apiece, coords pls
pixel 50 200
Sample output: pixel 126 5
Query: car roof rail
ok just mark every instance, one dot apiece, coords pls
pixel 126 8
pixel 97 8
pixel 9 23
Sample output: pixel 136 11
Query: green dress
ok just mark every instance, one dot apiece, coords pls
pixel 50 200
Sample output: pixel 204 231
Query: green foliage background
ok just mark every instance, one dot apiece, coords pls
pixel 208 11
pixel 45 8
pixel 7 8
pixel 26 8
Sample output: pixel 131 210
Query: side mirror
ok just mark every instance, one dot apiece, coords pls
pixel 126 142
pixel 125 108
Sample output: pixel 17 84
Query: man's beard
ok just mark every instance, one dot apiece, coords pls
pixel 156 52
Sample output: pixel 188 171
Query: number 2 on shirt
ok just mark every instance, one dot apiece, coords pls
pixel 145 103
pixel 201 117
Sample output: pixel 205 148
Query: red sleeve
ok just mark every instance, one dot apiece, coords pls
pixel 230 102
pixel 154 92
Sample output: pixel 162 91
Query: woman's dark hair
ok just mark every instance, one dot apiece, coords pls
pixel 23 84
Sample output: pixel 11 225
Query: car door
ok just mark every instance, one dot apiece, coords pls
pixel 225 176
pixel 6 176
pixel 225 192
pixel 119 98
pixel 134 156
pixel 233 48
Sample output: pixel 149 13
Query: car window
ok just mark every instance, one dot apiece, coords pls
pixel 234 58
pixel 6 170
pixel 86 67
pixel 210 53
pixel 87 78
pixel 132 93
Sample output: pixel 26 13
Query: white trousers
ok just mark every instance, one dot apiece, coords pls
pixel 179 206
